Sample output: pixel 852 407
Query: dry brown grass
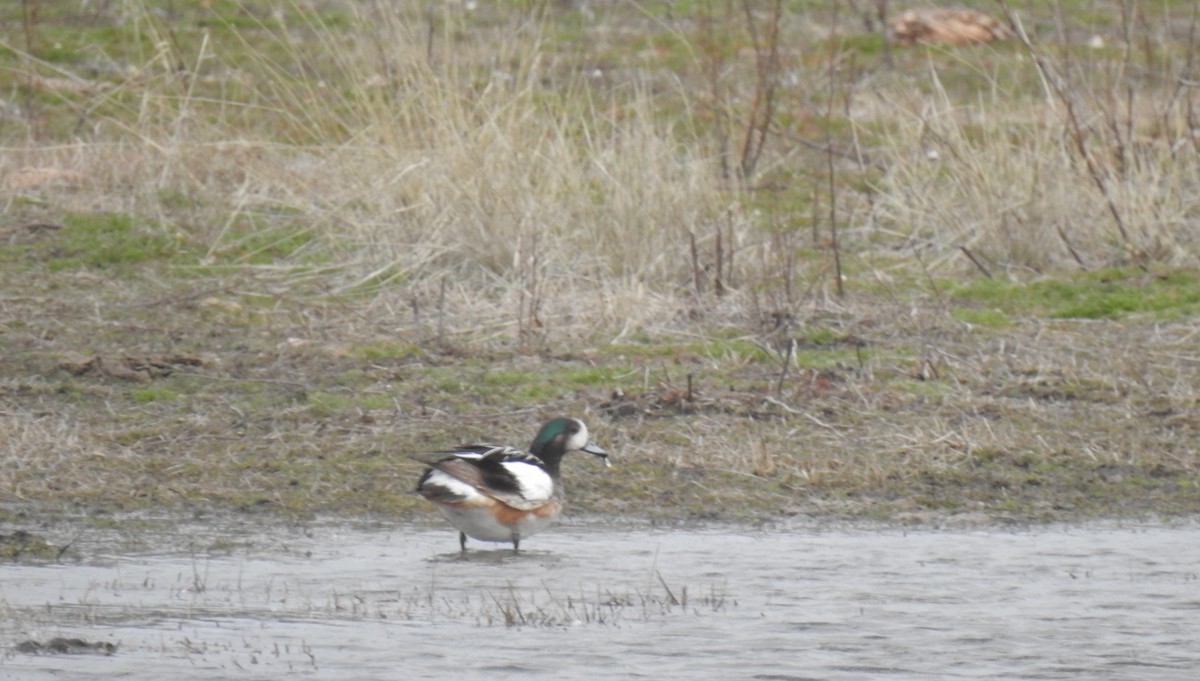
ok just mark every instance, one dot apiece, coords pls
pixel 379 243
pixel 473 145
pixel 1091 176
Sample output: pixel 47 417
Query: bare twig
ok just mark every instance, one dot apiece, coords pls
pixel 1070 248
pixel 762 110
pixel 787 364
pixel 975 261
pixel 718 283
pixel 1078 134
pixel 712 66
pixel 441 311
pixel 881 7
pixel 65 547
pixel 697 279
pixel 430 33
pixel 831 169
pixel 670 594
pixel 29 11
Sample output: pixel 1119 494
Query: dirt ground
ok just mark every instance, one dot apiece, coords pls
pixel 150 385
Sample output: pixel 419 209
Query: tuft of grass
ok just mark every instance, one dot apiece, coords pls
pixel 22 545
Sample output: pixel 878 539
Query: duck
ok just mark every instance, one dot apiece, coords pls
pixel 498 493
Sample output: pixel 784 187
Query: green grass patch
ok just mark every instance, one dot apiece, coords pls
pixel 641 351
pixel 387 350
pixel 834 357
pixel 988 317
pixel 257 241
pixel 870 44
pixel 822 336
pixel 152 394
pixel 525 386
pixel 327 404
pixel 1097 295
pixel 736 349
pixel 107 241
pixel 594 375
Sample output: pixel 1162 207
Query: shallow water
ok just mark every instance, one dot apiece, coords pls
pixel 586 601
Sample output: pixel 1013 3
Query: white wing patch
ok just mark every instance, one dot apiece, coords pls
pixel 535 484
pixel 454 487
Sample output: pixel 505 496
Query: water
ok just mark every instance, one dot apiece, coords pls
pixel 587 601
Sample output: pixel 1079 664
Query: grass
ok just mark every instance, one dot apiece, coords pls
pixel 1095 295
pixel 964 282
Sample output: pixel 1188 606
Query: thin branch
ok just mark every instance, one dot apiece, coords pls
pixel 975 261
pixel 1078 136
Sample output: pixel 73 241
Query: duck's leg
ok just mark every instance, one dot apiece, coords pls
pixel 462 541
pixel 516 543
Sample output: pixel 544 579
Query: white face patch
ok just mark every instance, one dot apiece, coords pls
pixel 580 439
